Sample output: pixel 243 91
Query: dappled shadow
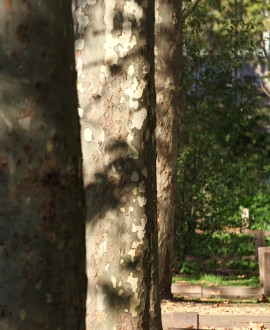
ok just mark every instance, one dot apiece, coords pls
pixel 112 296
pixel 112 182
pixel 119 183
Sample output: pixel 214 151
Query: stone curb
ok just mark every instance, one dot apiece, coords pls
pixel 232 321
pixel 198 291
pixel 180 320
pixel 175 321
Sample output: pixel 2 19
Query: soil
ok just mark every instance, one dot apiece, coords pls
pixel 205 306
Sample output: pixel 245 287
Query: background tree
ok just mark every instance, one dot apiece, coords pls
pixel 167 77
pixel 42 266
pixel 224 151
pixel 115 55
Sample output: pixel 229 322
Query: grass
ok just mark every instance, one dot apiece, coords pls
pixel 222 301
pixel 219 301
pixel 209 279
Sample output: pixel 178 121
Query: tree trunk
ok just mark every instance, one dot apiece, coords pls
pixel 114 53
pixel 167 42
pixel 42 228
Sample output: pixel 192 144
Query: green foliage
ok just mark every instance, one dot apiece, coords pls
pixel 259 210
pixel 223 162
pixel 218 252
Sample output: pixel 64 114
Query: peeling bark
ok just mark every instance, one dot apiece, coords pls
pixel 167 55
pixel 42 228
pixel 115 55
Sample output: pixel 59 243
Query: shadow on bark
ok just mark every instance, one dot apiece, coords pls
pixel 111 183
pixel 117 205
pixel 113 298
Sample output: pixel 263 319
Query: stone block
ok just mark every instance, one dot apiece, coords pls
pixel 267 273
pixel 232 321
pixel 261 251
pixel 186 320
pixel 211 291
pixel 232 292
pixel 167 320
pixel 187 290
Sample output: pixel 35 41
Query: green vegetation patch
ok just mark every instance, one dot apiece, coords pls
pixel 218 252
pixel 210 279
pixel 220 301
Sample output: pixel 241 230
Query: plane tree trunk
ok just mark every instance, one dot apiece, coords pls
pixel 42 228
pixel 115 65
pixel 167 75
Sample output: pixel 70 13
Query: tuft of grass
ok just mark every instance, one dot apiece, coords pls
pixel 210 279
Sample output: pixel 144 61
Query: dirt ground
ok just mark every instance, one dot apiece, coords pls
pixel 208 307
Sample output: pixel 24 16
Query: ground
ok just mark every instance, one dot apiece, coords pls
pixel 215 307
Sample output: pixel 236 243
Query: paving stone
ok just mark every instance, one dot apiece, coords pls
pixel 184 320
pixel 232 321
pixel 179 320
pixel 167 320
pixel 176 321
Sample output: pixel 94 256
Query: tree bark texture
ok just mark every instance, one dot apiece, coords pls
pixel 42 227
pixel 167 55
pixel 115 66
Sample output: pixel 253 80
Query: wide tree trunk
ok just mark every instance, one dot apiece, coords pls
pixel 167 54
pixel 115 65
pixel 42 227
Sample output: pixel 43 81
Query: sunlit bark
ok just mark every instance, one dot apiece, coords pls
pixel 114 53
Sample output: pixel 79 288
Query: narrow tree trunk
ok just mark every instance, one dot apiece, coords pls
pixel 167 42
pixel 42 235
pixel 183 135
pixel 114 52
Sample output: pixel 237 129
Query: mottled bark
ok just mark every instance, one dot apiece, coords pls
pixel 167 54
pixel 42 228
pixel 114 53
